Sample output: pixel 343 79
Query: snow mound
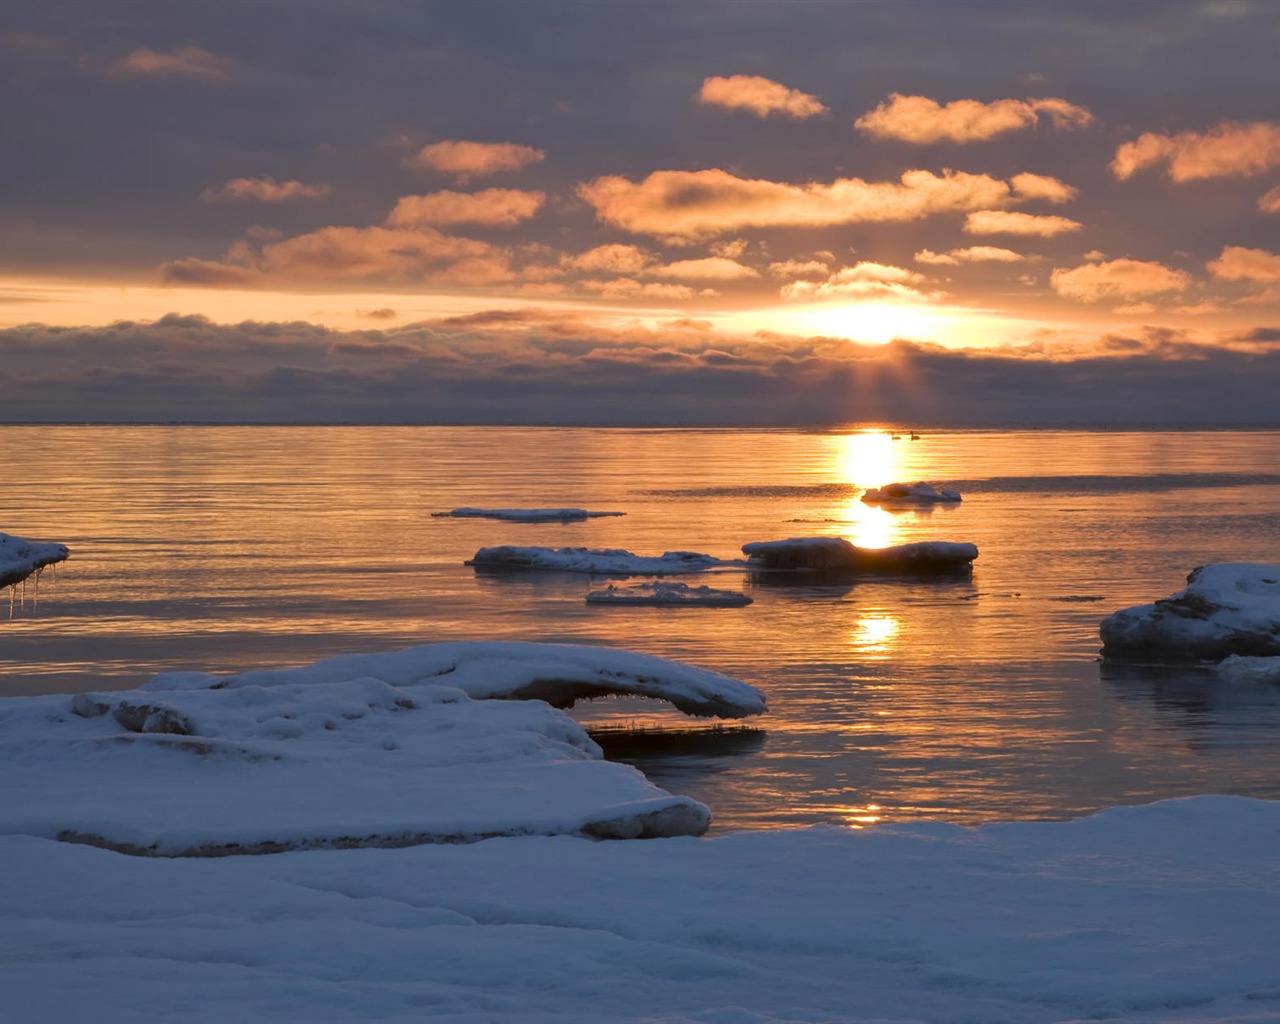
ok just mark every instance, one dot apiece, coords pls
pixel 19 557
pixel 601 561
pixel 1226 608
pixel 920 492
pixel 526 515
pixel 668 594
pixel 313 765
pixel 482 669
pixel 837 555
pixel 1241 669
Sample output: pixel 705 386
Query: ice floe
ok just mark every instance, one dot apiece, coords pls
pixel 837 555
pixel 600 561
pixel 527 515
pixel 19 557
pixel 665 593
pixel 1226 608
pixel 919 492
pixel 1163 913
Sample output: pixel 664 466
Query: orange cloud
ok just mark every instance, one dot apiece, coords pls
pixel 1229 149
pixel 1040 186
pixel 713 268
pixel 973 254
pixel 1122 279
pixel 262 190
pixel 340 252
pixel 921 120
pixel 628 288
pixel 863 281
pixel 683 206
pixel 466 160
pixel 1003 222
pixel 493 207
pixel 798 268
pixel 180 62
pixel 209 274
pixel 612 259
pixel 1240 264
pixel 760 96
pixel 1270 202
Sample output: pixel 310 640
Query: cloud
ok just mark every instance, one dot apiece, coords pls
pixel 1230 149
pixel 921 120
pixel 862 281
pixel 1039 186
pixel 1003 222
pixel 467 160
pixel 628 288
pixel 180 62
pixel 713 268
pixel 209 274
pixel 1118 279
pixel 1240 264
pixel 613 258
pixel 1270 202
pixel 760 96
pixel 492 207
pixel 262 190
pixel 798 268
pixel 383 313
pixel 683 206
pixel 973 254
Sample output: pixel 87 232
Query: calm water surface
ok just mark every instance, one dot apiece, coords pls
pixel 228 548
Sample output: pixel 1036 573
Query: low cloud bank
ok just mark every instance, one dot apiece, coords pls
pixel 538 367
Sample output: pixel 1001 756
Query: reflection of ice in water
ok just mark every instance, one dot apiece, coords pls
pixel 867 460
pixel 874 633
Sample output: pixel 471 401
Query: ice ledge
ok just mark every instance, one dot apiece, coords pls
pixel 19 558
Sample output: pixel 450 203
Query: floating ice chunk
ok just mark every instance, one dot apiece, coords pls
pixel 310 764
pixel 835 554
pixel 1226 608
pixel 920 492
pixel 557 673
pixel 527 515
pixel 19 557
pixel 601 561
pixel 1237 668
pixel 668 594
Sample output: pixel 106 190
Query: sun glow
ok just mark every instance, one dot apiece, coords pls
pixel 867 459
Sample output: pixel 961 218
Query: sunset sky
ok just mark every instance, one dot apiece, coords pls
pixel 777 213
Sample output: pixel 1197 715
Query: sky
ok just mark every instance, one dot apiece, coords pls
pixel 961 213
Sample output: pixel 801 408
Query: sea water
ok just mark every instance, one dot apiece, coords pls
pixel 971 699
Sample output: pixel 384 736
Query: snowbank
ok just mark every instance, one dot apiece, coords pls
pixel 526 515
pixel 835 554
pixel 668 594
pixel 19 557
pixel 920 492
pixel 1169 912
pixel 601 561
pixel 1226 608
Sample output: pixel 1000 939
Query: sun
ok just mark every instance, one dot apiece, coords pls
pixel 872 322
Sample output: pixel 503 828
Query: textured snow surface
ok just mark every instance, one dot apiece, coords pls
pixel 918 492
pixel 19 557
pixel 602 561
pixel 1226 608
pixel 666 593
pixel 1163 913
pixel 526 515
pixel 837 554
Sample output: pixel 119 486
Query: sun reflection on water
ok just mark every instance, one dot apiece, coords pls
pixel 860 816
pixel 873 635
pixel 868 459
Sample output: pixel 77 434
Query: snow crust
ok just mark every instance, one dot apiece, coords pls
pixel 526 515
pixel 665 593
pixel 600 561
pixel 19 557
pixel 835 554
pixel 919 492
pixel 1163 913
pixel 1226 608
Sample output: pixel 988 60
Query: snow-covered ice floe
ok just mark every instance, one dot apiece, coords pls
pixel 526 515
pixel 19 558
pixel 600 561
pixel 1226 608
pixel 837 555
pixel 920 492
pixel 668 594
pixel 373 750
pixel 1163 913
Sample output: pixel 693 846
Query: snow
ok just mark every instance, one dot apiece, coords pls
pixel 19 558
pixel 1238 668
pixel 526 515
pixel 918 492
pixel 665 593
pixel 1226 608
pixel 835 554
pixel 1168 912
pixel 600 561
